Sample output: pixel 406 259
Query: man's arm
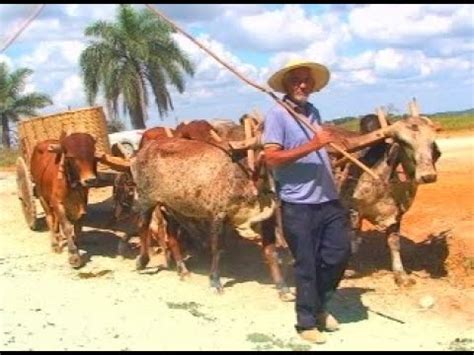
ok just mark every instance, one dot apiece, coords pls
pixel 275 155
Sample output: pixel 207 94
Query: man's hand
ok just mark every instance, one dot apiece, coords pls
pixel 324 137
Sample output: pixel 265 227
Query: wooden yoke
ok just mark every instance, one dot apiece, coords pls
pixel 248 135
pixel 381 116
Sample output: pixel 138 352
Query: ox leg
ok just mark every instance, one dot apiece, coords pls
pixel 123 247
pixel 272 259
pixel 215 234
pixel 53 226
pixel 355 239
pixel 68 230
pixel 145 235
pixel 393 240
pixel 175 248
pixel 158 232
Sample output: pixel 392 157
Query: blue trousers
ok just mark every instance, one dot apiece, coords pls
pixel 318 238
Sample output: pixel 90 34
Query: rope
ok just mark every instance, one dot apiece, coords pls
pixel 23 27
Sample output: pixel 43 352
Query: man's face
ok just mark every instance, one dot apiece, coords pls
pixel 299 84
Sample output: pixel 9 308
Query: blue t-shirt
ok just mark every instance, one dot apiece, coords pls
pixel 308 179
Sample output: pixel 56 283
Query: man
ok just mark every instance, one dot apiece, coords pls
pixel 315 224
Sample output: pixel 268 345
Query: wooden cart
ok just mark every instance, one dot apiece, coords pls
pixel 32 131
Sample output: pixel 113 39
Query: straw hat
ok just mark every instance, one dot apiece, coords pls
pixel 319 73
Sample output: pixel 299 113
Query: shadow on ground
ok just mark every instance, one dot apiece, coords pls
pixel 428 255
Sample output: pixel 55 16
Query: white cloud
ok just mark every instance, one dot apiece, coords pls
pixel 409 23
pixel 63 55
pixel 274 30
pixel 6 59
pixel 211 76
pixel 205 13
pixel 389 60
pixel 71 93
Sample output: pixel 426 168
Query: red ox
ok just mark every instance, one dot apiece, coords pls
pixel 62 171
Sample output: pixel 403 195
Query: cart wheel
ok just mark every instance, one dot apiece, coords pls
pixel 25 194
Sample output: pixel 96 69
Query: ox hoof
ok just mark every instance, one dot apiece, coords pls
pixel 183 272
pixel 75 261
pixel 183 276
pixel 350 273
pixel 218 290
pixel 217 286
pixel 56 248
pixel 403 280
pixel 286 296
pixel 124 249
pixel 142 262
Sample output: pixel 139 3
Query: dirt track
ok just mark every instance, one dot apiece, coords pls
pixel 45 305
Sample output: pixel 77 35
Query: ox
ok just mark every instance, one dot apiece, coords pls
pixel 384 202
pixel 62 171
pixel 155 133
pixel 198 181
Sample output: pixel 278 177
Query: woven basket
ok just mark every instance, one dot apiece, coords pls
pixel 87 120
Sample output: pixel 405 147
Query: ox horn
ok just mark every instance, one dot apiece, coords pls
pixel 116 163
pixel 215 136
pixel 168 132
pixel 413 108
pixel 55 148
pixel 251 143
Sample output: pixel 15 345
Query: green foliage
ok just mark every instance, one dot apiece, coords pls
pixel 267 342
pixel 8 157
pixel 13 103
pixel 191 307
pixel 127 56
pixel 461 344
pixel 115 125
pixel 449 121
pixel 454 123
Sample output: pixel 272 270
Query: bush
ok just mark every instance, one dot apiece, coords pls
pixel 8 157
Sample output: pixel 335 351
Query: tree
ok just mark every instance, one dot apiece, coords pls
pixel 128 55
pixel 115 126
pixel 14 104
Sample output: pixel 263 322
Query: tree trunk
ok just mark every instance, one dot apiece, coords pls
pixel 5 132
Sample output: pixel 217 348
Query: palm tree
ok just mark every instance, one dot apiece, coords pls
pixel 14 104
pixel 130 55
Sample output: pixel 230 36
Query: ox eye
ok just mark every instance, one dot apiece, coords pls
pixel 415 127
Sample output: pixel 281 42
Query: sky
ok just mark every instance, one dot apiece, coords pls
pixel 378 55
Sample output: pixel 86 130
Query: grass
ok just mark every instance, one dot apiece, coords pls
pixel 266 342
pixel 455 123
pixel 8 157
pixel 191 307
pixel 461 344
pixel 448 123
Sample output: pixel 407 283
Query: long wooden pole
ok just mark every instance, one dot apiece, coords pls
pixel 303 119
pixel 23 27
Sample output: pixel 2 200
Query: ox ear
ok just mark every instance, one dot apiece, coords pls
pixel 64 133
pixel 55 148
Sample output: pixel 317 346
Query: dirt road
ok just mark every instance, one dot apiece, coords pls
pixel 46 305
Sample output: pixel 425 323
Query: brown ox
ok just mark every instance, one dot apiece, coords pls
pixel 198 225
pixel 62 170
